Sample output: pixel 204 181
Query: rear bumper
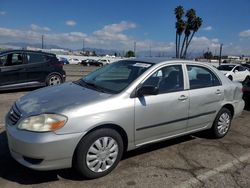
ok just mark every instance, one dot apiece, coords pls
pixel 238 107
pixel 42 151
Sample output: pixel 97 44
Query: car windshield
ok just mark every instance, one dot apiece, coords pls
pixel 226 67
pixel 115 77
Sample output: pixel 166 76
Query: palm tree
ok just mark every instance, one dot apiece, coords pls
pixel 188 27
pixel 196 24
pixel 180 26
pixel 190 15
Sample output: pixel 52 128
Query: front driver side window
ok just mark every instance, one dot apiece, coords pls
pixel 167 79
pixel 12 59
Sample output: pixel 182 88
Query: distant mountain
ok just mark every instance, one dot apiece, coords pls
pixel 24 45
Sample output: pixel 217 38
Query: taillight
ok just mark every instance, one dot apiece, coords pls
pixel 60 65
pixel 243 90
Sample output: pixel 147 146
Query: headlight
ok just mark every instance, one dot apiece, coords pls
pixel 43 123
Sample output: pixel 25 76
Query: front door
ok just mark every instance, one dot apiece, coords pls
pixel 165 114
pixel 12 69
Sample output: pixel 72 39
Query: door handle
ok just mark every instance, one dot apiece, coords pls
pixel 182 98
pixel 218 92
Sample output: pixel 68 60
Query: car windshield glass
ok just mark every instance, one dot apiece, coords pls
pixel 117 76
pixel 226 67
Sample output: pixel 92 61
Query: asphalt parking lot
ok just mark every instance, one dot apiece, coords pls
pixel 190 161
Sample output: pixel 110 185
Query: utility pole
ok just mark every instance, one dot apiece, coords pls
pixel 220 53
pixel 150 50
pixel 42 41
pixel 83 46
pixel 135 48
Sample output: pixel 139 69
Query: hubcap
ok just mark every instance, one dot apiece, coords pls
pixel 102 154
pixel 54 80
pixel 223 123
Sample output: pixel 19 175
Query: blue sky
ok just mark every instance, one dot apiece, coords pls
pixel 116 24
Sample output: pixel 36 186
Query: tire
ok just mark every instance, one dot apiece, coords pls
pixel 222 123
pixel 102 160
pixel 230 77
pixel 53 79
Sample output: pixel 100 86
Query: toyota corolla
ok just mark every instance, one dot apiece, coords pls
pixel 91 122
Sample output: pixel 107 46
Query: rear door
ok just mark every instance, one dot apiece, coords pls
pixel 12 69
pixel 206 94
pixel 37 66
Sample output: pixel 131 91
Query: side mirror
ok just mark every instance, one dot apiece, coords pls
pixel 147 90
pixel 236 71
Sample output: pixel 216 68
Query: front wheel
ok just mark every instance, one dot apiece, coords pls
pixel 98 153
pixel 221 123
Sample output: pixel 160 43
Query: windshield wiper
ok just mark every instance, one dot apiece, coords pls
pixel 90 85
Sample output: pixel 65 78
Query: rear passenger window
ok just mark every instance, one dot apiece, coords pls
pixel 200 77
pixel 36 58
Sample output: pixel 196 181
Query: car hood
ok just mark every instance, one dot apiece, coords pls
pixel 57 99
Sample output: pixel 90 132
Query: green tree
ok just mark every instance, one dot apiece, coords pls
pixel 130 53
pixel 208 55
pixel 189 27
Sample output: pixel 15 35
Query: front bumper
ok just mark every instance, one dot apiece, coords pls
pixel 42 151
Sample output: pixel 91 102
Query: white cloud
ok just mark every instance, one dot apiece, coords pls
pixel 35 27
pixel 35 35
pixel 2 13
pixel 208 28
pixel 245 33
pixel 113 32
pixel 70 23
pixel 113 36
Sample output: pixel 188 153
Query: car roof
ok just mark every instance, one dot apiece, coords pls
pixel 16 51
pixel 229 65
pixel 157 60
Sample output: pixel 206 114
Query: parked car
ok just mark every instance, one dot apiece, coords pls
pixel 247 65
pixel 74 61
pixel 104 61
pixel 88 62
pixel 234 72
pixel 246 90
pixel 63 60
pixel 117 108
pixel 22 69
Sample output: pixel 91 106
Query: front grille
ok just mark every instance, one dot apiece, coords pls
pixel 14 114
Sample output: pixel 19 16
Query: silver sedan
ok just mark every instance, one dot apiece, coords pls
pixel 91 122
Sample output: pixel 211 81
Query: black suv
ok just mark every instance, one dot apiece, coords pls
pixel 23 68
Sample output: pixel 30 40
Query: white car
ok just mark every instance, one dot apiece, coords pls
pixel 104 61
pixel 74 61
pixel 234 72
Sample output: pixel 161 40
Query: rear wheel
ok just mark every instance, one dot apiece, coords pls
pixel 98 153
pixel 221 123
pixel 53 79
